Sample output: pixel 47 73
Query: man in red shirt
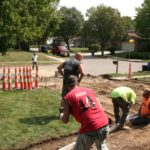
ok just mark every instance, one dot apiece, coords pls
pixel 82 104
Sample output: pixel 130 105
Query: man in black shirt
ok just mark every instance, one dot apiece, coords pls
pixel 71 67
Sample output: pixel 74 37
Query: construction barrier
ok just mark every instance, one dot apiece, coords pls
pixel 25 78
pixel 9 80
pixel 16 78
pixel 21 78
pixel 129 74
pixel 36 80
pixel 30 76
pixel 28 79
pixel 4 78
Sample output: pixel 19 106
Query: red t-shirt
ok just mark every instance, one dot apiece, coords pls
pixel 86 109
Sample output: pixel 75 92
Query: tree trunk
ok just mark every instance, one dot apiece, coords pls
pixel 68 46
pixel 103 46
pixel 18 46
pixel 3 45
pixel 25 46
pixel 66 39
pixel 102 52
pixel 4 52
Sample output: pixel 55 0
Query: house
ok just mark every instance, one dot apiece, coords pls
pixel 133 42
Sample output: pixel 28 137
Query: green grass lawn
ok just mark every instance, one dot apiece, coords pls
pixel 145 56
pixel 146 79
pixel 79 49
pixel 140 73
pixel 22 57
pixel 28 117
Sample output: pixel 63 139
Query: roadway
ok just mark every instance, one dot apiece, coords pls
pixel 93 65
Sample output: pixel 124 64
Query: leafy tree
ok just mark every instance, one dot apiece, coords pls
pixel 52 27
pixel 128 23
pixel 87 33
pixel 142 20
pixel 6 25
pixel 22 22
pixel 36 18
pixel 71 25
pixel 105 24
pixel 90 11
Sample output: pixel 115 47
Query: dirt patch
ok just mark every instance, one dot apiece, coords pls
pixel 136 138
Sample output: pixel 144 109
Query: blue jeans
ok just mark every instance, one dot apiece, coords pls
pixel 120 117
pixel 138 120
pixel 85 141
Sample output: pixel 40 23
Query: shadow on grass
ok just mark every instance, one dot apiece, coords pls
pixel 42 120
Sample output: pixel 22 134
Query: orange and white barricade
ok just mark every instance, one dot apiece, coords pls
pixel 129 74
pixel 21 79
pixel 4 78
pixel 9 80
pixel 16 78
pixel 25 78
pixel 30 76
pixel 36 80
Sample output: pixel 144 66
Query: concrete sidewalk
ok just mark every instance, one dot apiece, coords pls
pixel 54 58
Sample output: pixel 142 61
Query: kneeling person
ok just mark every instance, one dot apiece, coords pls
pixel 143 116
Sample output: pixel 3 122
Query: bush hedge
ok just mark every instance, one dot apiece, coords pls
pixel 94 47
pixel 139 55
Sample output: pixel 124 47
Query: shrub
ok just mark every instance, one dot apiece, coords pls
pixel 112 50
pixel 94 47
pixel 139 55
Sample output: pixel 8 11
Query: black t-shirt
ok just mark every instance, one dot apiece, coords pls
pixel 71 67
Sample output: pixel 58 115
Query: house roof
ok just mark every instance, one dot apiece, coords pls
pixel 134 35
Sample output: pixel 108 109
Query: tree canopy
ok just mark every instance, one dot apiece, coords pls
pixel 24 21
pixel 104 24
pixel 71 25
pixel 142 20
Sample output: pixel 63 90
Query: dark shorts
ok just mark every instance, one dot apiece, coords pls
pixel 65 91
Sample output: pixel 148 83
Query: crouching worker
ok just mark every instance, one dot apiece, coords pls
pixel 122 98
pixel 143 117
pixel 82 104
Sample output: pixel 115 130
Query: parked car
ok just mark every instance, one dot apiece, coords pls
pixel 46 48
pixel 61 50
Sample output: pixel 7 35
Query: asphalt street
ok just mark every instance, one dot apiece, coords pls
pixel 93 65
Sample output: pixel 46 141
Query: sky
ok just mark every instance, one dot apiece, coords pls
pixel 125 7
